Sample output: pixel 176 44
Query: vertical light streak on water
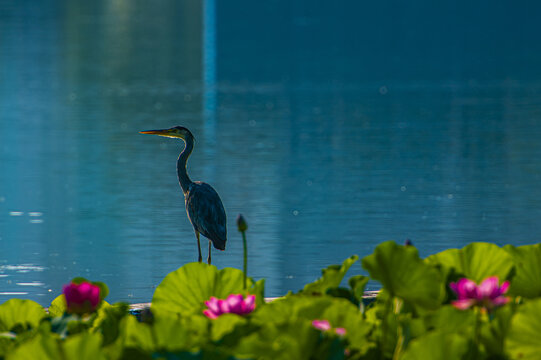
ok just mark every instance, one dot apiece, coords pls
pixel 209 77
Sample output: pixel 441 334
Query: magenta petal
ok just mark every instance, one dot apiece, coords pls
pixel 463 304
pixel 248 304
pixel 72 294
pixel 467 289
pixel 85 288
pixel 322 325
pixel 489 288
pixel 212 304
pixel 504 287
pixel 94 296
pixel 235 303
pixel 235 297
pixel 223 305
pixel 68 293
pixel 340 331
pixel 500 300
pixel 464 289
pixel 210 314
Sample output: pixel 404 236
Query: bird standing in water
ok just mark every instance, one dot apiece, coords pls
pixel 203 205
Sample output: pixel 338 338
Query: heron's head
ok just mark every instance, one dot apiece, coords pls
pixel 174 132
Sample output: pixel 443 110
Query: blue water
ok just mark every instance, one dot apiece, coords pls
pixel 331 126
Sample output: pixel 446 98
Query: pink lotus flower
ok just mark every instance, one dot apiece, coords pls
pixel 324 325
pixel 234 304
pixel 82 298
pixel 489 294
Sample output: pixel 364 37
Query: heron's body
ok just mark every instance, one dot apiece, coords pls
pixel 203 205
pixel 206 213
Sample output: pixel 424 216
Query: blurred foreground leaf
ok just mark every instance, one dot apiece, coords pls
pixel 527 280
pixel 447 319
pixel 296 339
pixel 494 332
pixel 524 337
pixel 357 284
pixel 402 273
pixel 108 319
pixel 84 346
pixel 17 314
pixel 437 345
pixel 58 306
pixel 41 346
pixel 339 312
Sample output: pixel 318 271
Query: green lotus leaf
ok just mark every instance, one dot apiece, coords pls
pixel 343 314
pixel 168 332
pixel 225 324
pixel 357 284
pixel 494 332
pixel 385 325
pixel 186 289
pixel 135 335
pixel 437 345
pixel 476 261
pixel 339 312
pixel 108 319
pixel 296 339
pixel 203 354
pixel 450 320
pixel 331 277
pixel 23 313
pixel 523 339
pixel 7 343
pixel 178 333
pixel 58 306
pixel 84 346
pixel 402 273
pixel 41 346
pixel 527 280
pixel 288 309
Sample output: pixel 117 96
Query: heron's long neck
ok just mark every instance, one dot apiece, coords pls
pixel 183 177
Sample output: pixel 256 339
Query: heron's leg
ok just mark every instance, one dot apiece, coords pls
pixel 208 259
pixel 198 246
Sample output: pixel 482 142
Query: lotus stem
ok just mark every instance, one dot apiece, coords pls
pixel 400 331
pixel 245 257
pixel 243 226
pixel 384 328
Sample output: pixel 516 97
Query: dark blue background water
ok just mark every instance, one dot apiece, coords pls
pixel 332 126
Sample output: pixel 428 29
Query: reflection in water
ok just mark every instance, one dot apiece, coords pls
pixel 326 140
pixel 209 84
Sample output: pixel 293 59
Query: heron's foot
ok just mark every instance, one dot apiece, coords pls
pixel 208 260
pixel 200 258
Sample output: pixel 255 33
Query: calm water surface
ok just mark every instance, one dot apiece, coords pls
pixel 331 128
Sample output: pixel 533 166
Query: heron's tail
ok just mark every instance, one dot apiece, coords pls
pixel 219 243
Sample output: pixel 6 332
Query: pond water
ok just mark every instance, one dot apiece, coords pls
pixel 331 128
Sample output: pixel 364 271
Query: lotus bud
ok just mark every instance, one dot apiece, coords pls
pixel 241 223
pixel 82 298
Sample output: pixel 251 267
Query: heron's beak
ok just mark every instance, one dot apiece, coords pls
pixel 164 132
